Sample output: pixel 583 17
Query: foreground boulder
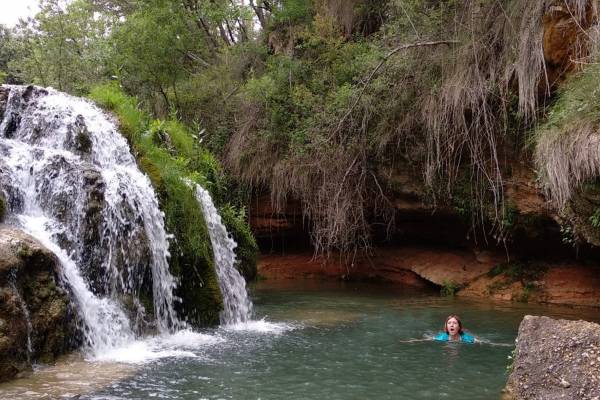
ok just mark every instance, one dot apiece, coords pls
pixel 556 359
pixel 35 321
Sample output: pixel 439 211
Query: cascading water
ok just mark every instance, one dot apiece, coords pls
pixel 71 182
pixel 237 305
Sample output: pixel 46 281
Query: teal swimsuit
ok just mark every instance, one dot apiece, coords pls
pixel 464 337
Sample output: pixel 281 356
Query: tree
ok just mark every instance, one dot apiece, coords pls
pixel 154 48
pixel 7 53
pixel 63 46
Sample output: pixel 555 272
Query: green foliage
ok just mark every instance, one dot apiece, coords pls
pixel 292 11
pixel 152 51
pixel 568 235
pixel 510 216
pixel 595 218
pixel 7 53
pixel 518 271
pixel 238 228
pixel 65 46
pixel 511 361
pixel 132 121
pixel 174 136
pixel 449 288
pixel 565 143
pixel 462 199
pixel 577 100
pixel 168 154
pixel 298 108
pixel 528 288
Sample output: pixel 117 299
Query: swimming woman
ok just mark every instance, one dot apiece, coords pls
pixel 453 331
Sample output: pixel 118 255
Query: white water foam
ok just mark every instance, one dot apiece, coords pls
pixel 44 176
pixel 44 169
pixel 182 344
pixel 105 323
pixel 261 326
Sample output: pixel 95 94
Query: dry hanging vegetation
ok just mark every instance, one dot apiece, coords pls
pixel 469 118
pixel 330 175
pixel 567 144
pixel 326 150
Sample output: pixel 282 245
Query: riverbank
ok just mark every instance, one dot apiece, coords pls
pixel 468 274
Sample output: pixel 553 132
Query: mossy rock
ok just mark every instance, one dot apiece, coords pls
pixel 30 277
pixel 2 208
pixel 154 174
pixel 191 254
pixel 170 156
pixel 580 211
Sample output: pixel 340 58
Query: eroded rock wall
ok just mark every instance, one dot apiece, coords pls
pixel 36 324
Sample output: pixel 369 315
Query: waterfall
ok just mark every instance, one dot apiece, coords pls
pixel 237 305
pixel 70 181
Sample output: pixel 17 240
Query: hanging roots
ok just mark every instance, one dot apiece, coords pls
pixel 467 118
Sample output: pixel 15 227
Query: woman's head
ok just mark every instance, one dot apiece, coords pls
pixel 453 326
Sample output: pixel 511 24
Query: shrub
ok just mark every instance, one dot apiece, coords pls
pixel 238 228
pixel 449 288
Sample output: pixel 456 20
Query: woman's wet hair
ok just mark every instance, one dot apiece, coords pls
pixel 457 318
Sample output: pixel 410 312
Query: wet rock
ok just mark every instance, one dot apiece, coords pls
pixel 36 322
pixel 4 92
pixel 78 137
pixel 17 105
pixel 92 252
pixel 2 207
pixel 549 362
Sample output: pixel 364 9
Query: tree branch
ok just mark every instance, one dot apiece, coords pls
pixel 378 67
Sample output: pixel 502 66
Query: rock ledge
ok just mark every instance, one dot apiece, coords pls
pixel 555 359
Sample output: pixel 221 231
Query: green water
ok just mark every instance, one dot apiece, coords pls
pixel 342 342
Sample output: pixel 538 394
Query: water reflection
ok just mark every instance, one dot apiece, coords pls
pixel 71 376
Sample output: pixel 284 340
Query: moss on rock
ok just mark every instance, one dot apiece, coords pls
pixel 581 211
pixel 2 208
pixel 191 253
pixel 28 281
pixel 170 163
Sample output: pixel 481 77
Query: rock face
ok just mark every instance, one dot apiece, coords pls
pixel 413 266
pixel 556 359
pixel 566 283
pixel 563 41
pixel 474 274
pixel 305 266
pixel 35 320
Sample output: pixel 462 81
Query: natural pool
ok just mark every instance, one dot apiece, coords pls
pixel 318 341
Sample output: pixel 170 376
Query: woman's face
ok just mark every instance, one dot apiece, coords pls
pixel 452 326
